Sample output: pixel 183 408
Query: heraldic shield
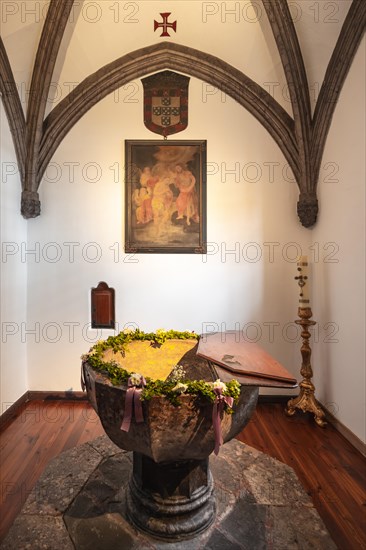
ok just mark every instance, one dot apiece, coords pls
pixel 166 102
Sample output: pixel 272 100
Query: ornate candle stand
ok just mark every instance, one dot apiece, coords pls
pixel 306 401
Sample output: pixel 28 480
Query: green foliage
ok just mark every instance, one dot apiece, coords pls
pixel 158 388
pixel 115 373
pixel 201 388
pixel 119 376
pixel 233 389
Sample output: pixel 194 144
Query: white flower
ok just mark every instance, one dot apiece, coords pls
pixel 178 373
pixel 180 388
pixel 135 379
pixel 219 385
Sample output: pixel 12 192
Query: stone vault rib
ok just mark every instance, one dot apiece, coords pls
pixel 292 61
pixel 52 33
pixel 13 108
pixel 344 52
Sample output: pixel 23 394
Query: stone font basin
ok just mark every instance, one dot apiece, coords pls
pixel 168 432
pixel 171 491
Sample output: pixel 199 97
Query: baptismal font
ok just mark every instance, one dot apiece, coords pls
pixel 160 395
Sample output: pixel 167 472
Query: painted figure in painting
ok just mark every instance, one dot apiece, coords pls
pixel 186 203
pixel 162 200
pixel 142 197
pixel 156 200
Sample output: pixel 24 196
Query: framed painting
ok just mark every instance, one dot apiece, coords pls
pixel 165 196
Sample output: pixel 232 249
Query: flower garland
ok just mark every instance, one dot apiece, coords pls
pixel 173 388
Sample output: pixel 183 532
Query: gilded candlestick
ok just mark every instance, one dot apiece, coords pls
pixel 306 400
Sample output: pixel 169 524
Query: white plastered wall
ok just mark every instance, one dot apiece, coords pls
pixel 246 280
pixel 13 282
pixel 339 269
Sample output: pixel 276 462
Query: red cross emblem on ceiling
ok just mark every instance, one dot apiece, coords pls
pixel 164 25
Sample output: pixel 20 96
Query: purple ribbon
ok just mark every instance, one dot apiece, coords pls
pixel 218 408
pixel 133 400
pixel 82 378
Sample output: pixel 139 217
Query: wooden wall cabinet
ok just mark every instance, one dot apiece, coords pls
pixel 102 306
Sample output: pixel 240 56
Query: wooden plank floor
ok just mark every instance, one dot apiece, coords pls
pixel 329 468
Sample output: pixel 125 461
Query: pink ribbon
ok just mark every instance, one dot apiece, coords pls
pixel 133 400
pixel 218 408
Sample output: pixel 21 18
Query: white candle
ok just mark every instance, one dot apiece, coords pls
pixel 303 281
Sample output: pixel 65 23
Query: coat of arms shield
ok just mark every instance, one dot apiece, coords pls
pixel 166 102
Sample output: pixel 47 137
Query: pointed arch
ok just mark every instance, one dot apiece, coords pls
pixel 301 139
pixel 168 55
pixel 344 52
pixel 284 33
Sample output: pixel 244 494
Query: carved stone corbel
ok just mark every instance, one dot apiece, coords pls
pixel 30 204
pixel 307 209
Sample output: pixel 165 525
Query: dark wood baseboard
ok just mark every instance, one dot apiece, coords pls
pixel 58 395
pixel 346 432
pixel 12 412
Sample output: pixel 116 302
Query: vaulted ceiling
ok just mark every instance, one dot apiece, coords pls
pixel 301 137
